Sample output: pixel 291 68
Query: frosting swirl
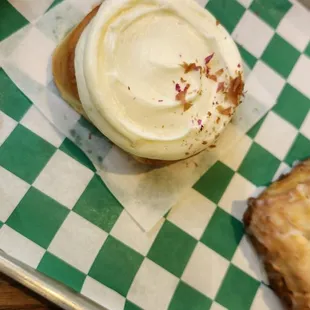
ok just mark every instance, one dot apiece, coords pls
pixel 152 75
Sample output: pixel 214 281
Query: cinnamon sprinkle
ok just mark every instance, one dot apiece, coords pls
pixel 212 77
pixel 219 72
pixel 190 67
pixel 208 58
pixel 181 96
pixel 223 111
pixel 235 89
pixel 220 87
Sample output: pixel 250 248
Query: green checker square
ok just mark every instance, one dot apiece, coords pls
pixel 292 106
pixel 172 248
pixel 98 205
pixel 10 20
pixel 237 290
pixel 223 233
pixel 55 268
pixel 300 150
pixel 75 152
pixel 254 130
pixel 280 55
pixel 307 50
pixel 228 12
pixel 247 57
pixel 12 101
pixel 259 166
pixel 1 224
pixel 214 182
pixel 25 154
pixel 38 217
pixel 271 11
pixel 55 2
pixel 131 306
pixel 186 297
pixel 116 265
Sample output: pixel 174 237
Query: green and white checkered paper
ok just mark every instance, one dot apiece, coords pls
pixel 59 217
pixel 136 186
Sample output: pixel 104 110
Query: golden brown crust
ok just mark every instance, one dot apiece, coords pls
pixel 65 80
pixel 278 222
pixel 153 162
pixel 63 65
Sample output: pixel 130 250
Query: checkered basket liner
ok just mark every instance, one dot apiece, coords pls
pixel 58 216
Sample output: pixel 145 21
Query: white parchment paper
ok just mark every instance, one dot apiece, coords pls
pixel 146 193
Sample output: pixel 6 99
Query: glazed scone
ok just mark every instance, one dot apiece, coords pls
pixel 161 78
pixel 278 222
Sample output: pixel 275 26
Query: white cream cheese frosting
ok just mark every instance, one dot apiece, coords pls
pixel 131 66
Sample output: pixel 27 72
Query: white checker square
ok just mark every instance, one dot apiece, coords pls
pixel 31 9
pixel 79 250
pixel 20 247
pixel 297 76
pixel 58 21
pixel 7 125
pixel 246 259
pixel 216 306
pixel 234 159
pixel 202 3
pixel 246 71
pixel 35 121
pixel 12 190
pixel 85 6
pixel 250 111
pixel 192 213
pixel 64 179
pixel 56 110
pixel 266 299
pixel 297 22
pixel 245 3
pixel 283 169
pixel 305 128
pixel 8 46
pixel 276 135
pixel 152 287
pixel 252 33
pixel 290 30
pixel 127 231
pixel 33 56
pixel 239 189
pixel 300 15
pixel 102 294
pixel 205 270
pixel 258 191
pixel 265 84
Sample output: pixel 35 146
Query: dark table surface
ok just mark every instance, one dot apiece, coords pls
pixel 14 296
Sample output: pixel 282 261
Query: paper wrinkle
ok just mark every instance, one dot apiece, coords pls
pixel 146 193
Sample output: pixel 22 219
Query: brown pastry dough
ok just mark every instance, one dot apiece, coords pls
pixel 65 80
pixel 278 222
pixel 63 65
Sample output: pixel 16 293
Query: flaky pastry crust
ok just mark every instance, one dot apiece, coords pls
pixel 278 222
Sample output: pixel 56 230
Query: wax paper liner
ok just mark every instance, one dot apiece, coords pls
pixel 57 215
pixel 146 193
